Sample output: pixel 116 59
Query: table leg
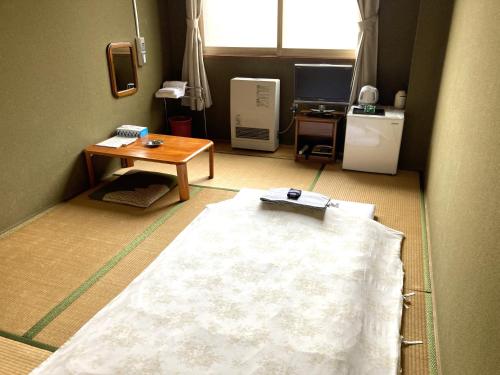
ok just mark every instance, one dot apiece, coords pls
pixel 211 151
pixel 182 180
pixel 127 162
pixel 90 168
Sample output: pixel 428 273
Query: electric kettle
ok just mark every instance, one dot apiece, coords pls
pixel 368 95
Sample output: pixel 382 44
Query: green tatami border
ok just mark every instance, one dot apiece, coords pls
pixel 28 341
pixel 429 317
pixel 316 178
pixel 214 187
pixel 108 266
pixel 311 186
pixel 425 248
pixel 431 339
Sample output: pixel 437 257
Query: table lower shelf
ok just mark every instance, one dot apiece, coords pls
pixel 323 159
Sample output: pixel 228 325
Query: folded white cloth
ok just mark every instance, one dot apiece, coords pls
pixel 169 93
pixel 172 89
pixel 175 84
pixel 307 198
pixel 248 197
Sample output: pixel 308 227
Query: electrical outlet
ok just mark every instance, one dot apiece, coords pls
pixel 140 45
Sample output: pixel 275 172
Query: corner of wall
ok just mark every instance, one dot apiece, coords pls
pixel 425 77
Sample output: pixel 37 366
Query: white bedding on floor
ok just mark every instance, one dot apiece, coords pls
pixel 252 289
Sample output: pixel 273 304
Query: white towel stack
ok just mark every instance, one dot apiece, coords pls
pixel 172 90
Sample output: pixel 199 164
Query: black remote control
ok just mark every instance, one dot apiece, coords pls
pixel 294 194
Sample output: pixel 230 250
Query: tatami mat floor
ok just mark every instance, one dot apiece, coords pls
pixel 64 266
pixel 17 358
pixel 239 171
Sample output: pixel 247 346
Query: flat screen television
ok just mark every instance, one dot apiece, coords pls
pixel 323 83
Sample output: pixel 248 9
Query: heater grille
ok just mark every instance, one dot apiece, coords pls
pixel 252 133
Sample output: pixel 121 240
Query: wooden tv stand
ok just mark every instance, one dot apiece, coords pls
pixel 314 130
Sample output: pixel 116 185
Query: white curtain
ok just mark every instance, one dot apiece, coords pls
pixel 193 68
pixel 365 68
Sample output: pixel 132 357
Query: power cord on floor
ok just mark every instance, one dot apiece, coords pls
pixel 294 110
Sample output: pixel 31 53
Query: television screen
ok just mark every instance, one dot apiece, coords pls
pixel 323 83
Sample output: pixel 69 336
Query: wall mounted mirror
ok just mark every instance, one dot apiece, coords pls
pixel 122 69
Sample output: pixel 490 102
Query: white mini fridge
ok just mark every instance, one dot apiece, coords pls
pixel 372 142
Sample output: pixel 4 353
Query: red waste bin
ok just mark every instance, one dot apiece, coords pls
pixel 181 126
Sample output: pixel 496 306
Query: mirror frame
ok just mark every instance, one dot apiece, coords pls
pixel 112 73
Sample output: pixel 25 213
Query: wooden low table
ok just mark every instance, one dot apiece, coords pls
pixel 174 150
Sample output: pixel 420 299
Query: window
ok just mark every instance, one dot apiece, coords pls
pixel 302 28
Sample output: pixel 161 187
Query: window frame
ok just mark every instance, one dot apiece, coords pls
pixel 279 51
